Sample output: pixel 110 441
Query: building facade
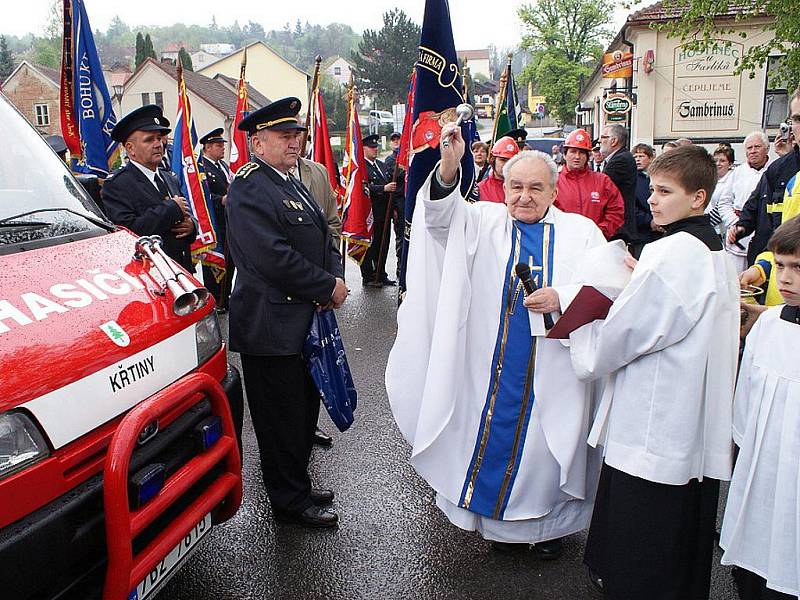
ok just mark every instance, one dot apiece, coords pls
pixel 268 72
pixel 213 100
pixel 34 90
pixel 674 91
pixel 477 61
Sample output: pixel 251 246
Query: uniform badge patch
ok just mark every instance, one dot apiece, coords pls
pixel 246 169
pixel 116 333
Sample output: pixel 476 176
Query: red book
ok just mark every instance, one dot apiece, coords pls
pixel 589 304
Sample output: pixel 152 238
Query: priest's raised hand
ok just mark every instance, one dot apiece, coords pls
pixel 451 152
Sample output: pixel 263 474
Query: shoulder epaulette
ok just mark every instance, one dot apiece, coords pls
pixel 246 169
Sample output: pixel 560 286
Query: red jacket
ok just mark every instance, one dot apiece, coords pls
pixel 592 195
pixel 491 189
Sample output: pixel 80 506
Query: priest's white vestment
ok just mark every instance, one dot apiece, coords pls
pixel 455 330
pixel 761 527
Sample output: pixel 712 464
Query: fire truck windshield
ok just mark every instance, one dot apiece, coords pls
pixel 33 182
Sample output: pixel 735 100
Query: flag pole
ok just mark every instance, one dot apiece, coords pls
pixel 386 220
pixel 311 104
pixel 464 81
pixel 501 97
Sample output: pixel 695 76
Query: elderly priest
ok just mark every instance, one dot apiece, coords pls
pixel 496 417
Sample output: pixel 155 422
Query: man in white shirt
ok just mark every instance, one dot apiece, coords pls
pixel 738 187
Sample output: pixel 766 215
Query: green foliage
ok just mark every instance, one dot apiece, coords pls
pixel 6 61
pixel 140 57
pixel 565 38
pixel 385 58
pixel 700 26
pixel 301 48
pixel 149 51
pixel 47 52
pixel 334 95
pixel 185 60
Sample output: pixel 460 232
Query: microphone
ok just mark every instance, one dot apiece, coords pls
pixel 464 112
pixel 524 273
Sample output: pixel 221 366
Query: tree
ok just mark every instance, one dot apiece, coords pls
pixel 140 57
pixel 385 58
pixel 148 50
pixel 6 61
pixel 566 39
pixel 184 59
pixel 699 27
pixel 334 95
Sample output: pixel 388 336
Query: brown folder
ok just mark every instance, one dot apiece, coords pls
pixel 589 304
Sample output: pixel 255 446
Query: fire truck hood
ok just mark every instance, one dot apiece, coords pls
pixel 69 311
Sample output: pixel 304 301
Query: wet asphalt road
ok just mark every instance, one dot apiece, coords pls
pixel 392 542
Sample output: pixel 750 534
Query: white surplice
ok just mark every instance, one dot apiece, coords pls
pixel 670 344
pixel 439 369
pixel 761 527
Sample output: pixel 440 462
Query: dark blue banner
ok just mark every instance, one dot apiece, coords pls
pixel 439 90
pixel 92 103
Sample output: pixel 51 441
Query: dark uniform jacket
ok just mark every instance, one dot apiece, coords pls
pixel 378 178
pixel 285 260
pixel 218 186
pixel 759 213
pixel 132 201
pixel 621 168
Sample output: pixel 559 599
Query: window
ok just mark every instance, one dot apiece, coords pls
pixel 42 114
pixel 145 98
pixel 776 96
pixel 337 70
pixel 160 99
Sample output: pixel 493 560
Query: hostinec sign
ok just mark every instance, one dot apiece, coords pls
pixel 706 90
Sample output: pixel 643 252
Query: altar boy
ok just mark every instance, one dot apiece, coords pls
pixel 669 347
pixel 762 518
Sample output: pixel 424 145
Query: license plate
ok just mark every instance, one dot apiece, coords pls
pixel 167 565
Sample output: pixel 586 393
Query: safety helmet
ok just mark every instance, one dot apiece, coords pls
pixel 505 147
pixel 578 139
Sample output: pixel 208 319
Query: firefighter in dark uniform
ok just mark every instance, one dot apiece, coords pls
pixel 287 267
pixel 144 197
pixel 373 268
pixel 218 177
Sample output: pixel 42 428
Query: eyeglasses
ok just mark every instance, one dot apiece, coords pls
pixel 604 137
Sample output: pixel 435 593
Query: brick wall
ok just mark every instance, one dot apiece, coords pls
pixel 26 89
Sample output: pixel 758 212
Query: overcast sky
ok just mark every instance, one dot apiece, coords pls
pixel 495 22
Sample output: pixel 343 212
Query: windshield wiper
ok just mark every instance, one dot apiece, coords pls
pixel 24 224
pixel 91 219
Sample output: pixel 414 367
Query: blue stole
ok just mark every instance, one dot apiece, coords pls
pixel 510 397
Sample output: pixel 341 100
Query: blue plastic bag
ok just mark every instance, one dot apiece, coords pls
pixel 327 364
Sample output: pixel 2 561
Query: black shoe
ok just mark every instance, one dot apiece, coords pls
pixel 321 497
pixel 222 310
pixel 313 516
pixel 549 550
pixel 371 283
pixel 388 282
pixel 321 438
pixel 508 547
pixel 596 581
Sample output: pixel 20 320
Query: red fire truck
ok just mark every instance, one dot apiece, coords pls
pixel 118 449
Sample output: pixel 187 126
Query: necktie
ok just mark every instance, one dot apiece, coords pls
pixel 162 187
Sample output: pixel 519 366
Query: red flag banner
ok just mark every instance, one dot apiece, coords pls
pixel 357 210
pixel 322 152
pixel 69 121
pixel 404 154
pixel 185 167
pixel 240 153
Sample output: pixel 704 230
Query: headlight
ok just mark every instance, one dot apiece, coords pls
pixel 208 337
pixel 21 443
